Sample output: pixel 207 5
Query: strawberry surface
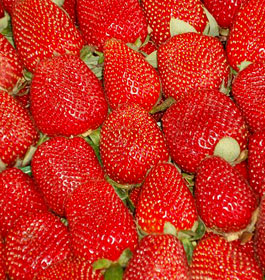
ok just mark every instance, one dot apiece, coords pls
pixel 2 267
pixel 7 4
pixel 70 7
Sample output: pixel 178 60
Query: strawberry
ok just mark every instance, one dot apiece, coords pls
pixel 60 165
pixel 17 132
pixel 36 242
pixel 165 198
pixel 66 97
pixel 23 97
pixel 41 29
pixel 2 267
pixel 129 79
pixel 120 19
pixel 131 143
pixel 191 61
pixel 216 259
pixel 249 93
pixel 158 257
pixel 11 67
pixel 7 4
pixel 159 14
pixel 224 200
pixel 134 195
pixel 148 48
pixel 2 14
pixel 70 7
pixel 242 168
pixel 246 40
pixel 196 124
pixel 100 224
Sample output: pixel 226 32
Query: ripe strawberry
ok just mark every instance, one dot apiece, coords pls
pixel 148 48
pixel 120 19
pixel 131 143
pixel 17 130
pixel 36 242
pixel 60 165
pixel 2 14
pixel 158 257
pixel 66 97
pixel 41 29
pixel 242 168
pixel 129 79
pixel 249 93
pixel 165 198
pixel 134 195
pixel 7 4
pixel 2 267
pixel 216 259
pixel 224 200
pixel 246 41
pixel 11 68
pixel 23 96
pixel 70 7
pixel 100 224
pixel 191 61
pixel 159 14
pixel 195 125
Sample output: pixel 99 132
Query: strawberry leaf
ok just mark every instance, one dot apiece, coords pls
pixel 178 26
pixel 125 257
pixel 243 65
pixel 212 28
pixel 115 272
pixel 101 264
pixel 189 248
pixel 26 169
pixel 152 59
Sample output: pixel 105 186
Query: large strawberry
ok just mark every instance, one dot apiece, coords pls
pixel 131 143
pixel 66 97
pixel 160 12
pixel 42 29
pixel 191 61
pixel 121 19
pixel 60 165
pixel 196 124
pixel 129 79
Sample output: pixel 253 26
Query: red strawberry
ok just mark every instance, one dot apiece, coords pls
pixel 191 61
pixel 242 168
pixel 246 41
pixel 11 68
pixel 216 259
pixel 158 257
pixel 66 97
pixel 160 12
pixel 2 14
pixel 17 130
pixel 19 197
pixel 196 124
pixel 131 143
pixel 41 29
pixel 249 93
pixel 70 7
pixel 7 4
pixel 165 198
pixel 36 242
pixel 120 19
pixel 224 200
pixel 100 224
pixel 2 267
pixel 23 97
pixel 247 247
pixel 148 48
pixel 134 195
pixel 129 79
pixel 60 165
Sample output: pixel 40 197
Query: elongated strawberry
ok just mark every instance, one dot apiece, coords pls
pixel 129 79
pixel 41 29
pixel 165 198
pixel 191 61
pixel 60 165
pixel 131 143
pixel 158 257
pixel 197 123
pixel 100 224
pixel 216 259
pixel 36 242
pixel 120 19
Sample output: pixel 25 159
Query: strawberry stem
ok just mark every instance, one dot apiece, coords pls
pixel 164 106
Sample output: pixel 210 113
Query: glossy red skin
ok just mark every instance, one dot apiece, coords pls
pixel 2 267
pixel 216 259
pixel 23 97
pixel 134 195
pixel 159 13
pixel 70 7
pixel 249 93
pixel 191 61
pixel 129 79
pixel 42 29
pixel 158 257
pixel 11 67
pixel 131 143
pixel 247 247
pixel 60 165
pixel 165 198
pixel 242 168
pixel 195 124
pixel 224 200
pixel 246 40
pixel 100 224
pixel 17 132
pixel 35 243
pixel 2 14
pixel 7 4
pixel 148 48
pixel 66 97
pixel 120 19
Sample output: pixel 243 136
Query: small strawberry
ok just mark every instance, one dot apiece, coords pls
pixel 131 142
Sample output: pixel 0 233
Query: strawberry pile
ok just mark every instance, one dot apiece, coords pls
pixel 132 140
